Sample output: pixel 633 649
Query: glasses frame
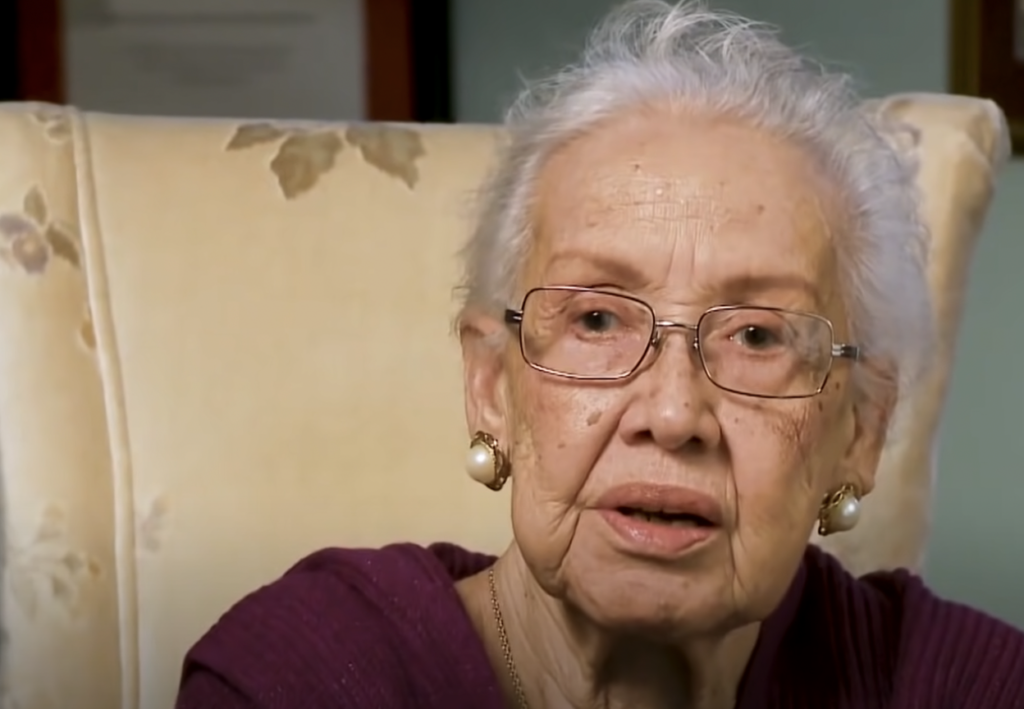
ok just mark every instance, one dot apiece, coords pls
pixel 514 318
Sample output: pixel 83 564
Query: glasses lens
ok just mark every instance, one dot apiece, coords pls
pixel 766 352
pixel 585 334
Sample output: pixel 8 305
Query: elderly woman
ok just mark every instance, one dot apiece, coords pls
pixel 694 292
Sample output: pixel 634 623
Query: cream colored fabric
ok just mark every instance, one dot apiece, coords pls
pixel 223 346
pixel 959 144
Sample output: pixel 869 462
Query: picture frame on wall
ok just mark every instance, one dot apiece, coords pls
pixel 987 57
pixel 381 60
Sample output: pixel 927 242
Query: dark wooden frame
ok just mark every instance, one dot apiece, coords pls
pixel 33 66
pixel 408 57
pixel 983 61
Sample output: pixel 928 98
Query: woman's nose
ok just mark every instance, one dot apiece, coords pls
pixel 674 405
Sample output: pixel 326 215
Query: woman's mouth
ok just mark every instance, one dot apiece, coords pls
pixel 673 519
pixel 660 521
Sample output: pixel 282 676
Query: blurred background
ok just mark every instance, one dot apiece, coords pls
pixel 463 60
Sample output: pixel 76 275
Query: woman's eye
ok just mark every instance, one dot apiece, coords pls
pixel 597 320
pixel 756 337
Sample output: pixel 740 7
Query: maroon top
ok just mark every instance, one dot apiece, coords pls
pixel 385 629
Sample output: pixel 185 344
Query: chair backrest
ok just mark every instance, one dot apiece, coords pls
pixel 225 345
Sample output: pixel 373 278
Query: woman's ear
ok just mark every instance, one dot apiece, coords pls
pixel 484 342
pixel 872 415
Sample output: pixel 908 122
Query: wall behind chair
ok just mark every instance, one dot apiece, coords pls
pixel 977 545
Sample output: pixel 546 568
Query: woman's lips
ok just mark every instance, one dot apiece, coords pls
pixel 656 538
pixel 660 520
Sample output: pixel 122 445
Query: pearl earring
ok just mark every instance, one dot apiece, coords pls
pixel 486 463
pixel 840 511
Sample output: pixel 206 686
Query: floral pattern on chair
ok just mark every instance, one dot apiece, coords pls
pixel 48 569
pixel 55 121
pixel 30 239
pixel 304 155
pixel 152 524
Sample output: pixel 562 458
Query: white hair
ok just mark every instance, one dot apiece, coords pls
pixel 650 51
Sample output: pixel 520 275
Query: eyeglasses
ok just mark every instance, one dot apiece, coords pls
pixel 588 334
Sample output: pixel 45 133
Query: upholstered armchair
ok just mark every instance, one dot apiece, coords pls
pixel 224 345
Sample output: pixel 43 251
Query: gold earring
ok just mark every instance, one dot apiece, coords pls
pixel 840 511
pixel 486 463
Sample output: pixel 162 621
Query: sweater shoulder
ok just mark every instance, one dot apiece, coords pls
pixel 918 648
pixel 958 655
pixel 340 628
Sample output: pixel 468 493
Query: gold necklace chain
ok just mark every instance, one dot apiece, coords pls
pixel 506 649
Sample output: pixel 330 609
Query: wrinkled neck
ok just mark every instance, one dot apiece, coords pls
pixel 564 660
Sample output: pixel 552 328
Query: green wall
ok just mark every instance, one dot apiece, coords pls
pixel 977 553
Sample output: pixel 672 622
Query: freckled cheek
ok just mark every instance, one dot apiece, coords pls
pixel 557 415
pixel 565 427
pixel 773 470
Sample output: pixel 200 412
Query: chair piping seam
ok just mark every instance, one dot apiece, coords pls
pixel 97 289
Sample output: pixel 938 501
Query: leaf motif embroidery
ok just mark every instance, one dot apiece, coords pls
pixel 391 149
pixel 30 239
pixel 31 253
pixel 304 156
pixel 59 130
pixel 13 226
pixel 152 525
pixel 55 121
pixel 62 245
pixel 48 569
pixel 87 331
pixel 35 206
pixel 250 134
pixel 302 159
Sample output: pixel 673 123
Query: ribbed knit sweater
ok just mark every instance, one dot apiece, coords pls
pixel 385 629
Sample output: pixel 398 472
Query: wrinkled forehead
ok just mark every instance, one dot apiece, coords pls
pixel 687 200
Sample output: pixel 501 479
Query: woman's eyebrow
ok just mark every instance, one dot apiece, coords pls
pixel 619 271
pixel 750 284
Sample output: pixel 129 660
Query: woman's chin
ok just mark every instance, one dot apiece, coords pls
pixel 649 600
